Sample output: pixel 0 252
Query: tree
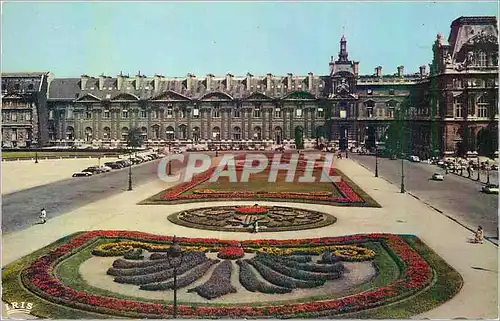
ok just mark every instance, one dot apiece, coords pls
pixel 134 138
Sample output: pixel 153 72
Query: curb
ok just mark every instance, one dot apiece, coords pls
pixel 489 239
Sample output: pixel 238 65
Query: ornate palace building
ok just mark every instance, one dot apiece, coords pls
pixel 450 105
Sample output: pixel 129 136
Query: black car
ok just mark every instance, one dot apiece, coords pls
pixel 113 165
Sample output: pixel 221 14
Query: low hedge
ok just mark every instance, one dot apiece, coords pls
pixel 219 283
pixel 249 281
pixel 297 273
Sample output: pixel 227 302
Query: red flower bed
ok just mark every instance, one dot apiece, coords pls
pixel 176 192
pixel 39 277
pixel 251 210
pixel 231 253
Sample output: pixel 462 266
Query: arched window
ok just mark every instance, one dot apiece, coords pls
pixel 124 133
pixel 170 133
pixel 106 133
pixel 236 133
pixel 216 133
pixel 88 134
pixel 278 135
pixel 156 131
pixel 182 132
pixel 196 134
pixel 482 106
pixel 70 133
pixel 144 133
pixel 257 133
pixel 215 112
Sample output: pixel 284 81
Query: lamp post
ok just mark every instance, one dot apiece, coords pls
pixel 36 157
pixel 402 174
pixel 487 172
pixel 130 172
pixel 173 253
pixel 376 161
pixel 170 162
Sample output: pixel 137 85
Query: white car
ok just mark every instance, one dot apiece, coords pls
pixel 105 168
pixel 437 177
pixel 490 189
pixel 82 174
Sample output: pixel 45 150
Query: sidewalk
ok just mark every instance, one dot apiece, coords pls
pixel 400 213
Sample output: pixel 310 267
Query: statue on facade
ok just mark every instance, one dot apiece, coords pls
pixel 448 60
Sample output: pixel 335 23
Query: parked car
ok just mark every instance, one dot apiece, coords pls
pixel 136 160
pixel 414 158
pixel 437 177
pixel 105 168
pixel 123 163
pixel 490 189
pixel 81 174
pixel 113 165
pixel 93 170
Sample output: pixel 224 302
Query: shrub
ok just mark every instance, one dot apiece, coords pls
pixel 312 267
pixel 297 273
pixel 160 272
pixel 250 281
pixel 279 279
pixel 124 264
pixel 328 258
pixel 219 283
pixel 136 254
pixel 184 280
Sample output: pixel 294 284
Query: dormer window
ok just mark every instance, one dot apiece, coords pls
pixel 369 92
pixel 256 112
pixel 170 112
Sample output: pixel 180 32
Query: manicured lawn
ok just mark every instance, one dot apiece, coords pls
pixel 258 182
pixel 14 155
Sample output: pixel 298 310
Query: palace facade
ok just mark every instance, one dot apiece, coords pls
pixel 450 105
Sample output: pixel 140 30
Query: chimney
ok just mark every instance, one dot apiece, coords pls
pixel 229 81
pixel 401 70
pixel 138 80
pixel 209 81
pixel 355 67
pixel 289 81
pixel 83 81
pixel 119 81
pixel 101 81
pixel 157 80
pixel 189 81
pixel 268 81
pixel 422 71
pixel 249 80
pixel 310 81
pixel 378 71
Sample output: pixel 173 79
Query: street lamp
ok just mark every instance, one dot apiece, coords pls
pixel 402 173
pixel 170 162
pixel 36 157
pixel 376 161
pixel 173 253
pixel 487 172
pixel 130 172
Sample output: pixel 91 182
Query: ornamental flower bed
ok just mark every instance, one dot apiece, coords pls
pixel 251 210
pixel 231 253
pixel 178 192
pixel 39 278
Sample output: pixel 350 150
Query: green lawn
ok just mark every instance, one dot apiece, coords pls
pixel 259 183
pixel 14 155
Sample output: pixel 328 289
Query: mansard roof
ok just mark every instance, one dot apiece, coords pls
pixel 27 74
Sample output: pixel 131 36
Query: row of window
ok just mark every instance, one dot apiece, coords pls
pixel 16 103
pixel 16 117
pixel 459 108
pixel 17 87
pixel 215 113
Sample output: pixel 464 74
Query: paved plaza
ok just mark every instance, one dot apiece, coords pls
pixel 400 214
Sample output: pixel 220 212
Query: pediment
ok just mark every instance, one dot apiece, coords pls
pixel 258 96
pixel 482 39
pixel 300 95
pixel 88 97
pixel 125 96
pixel 216 95
pixel 170 95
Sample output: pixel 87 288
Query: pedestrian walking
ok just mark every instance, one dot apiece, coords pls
pixel 43 216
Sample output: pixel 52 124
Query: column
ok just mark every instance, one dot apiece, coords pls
pixel 243 116
pixel 189 110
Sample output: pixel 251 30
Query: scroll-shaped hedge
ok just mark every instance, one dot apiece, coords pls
pixel 250 281
pixel 328 258
pixel 219 283
pixel 136 254
pixel 296 273
pixel 162 275
pixel 312 267
pixel 279 279
pixel 299 258
pixel 158 266
pixel 183 280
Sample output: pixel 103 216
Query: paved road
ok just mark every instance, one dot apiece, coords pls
pixel 21 209
pixel 457 197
